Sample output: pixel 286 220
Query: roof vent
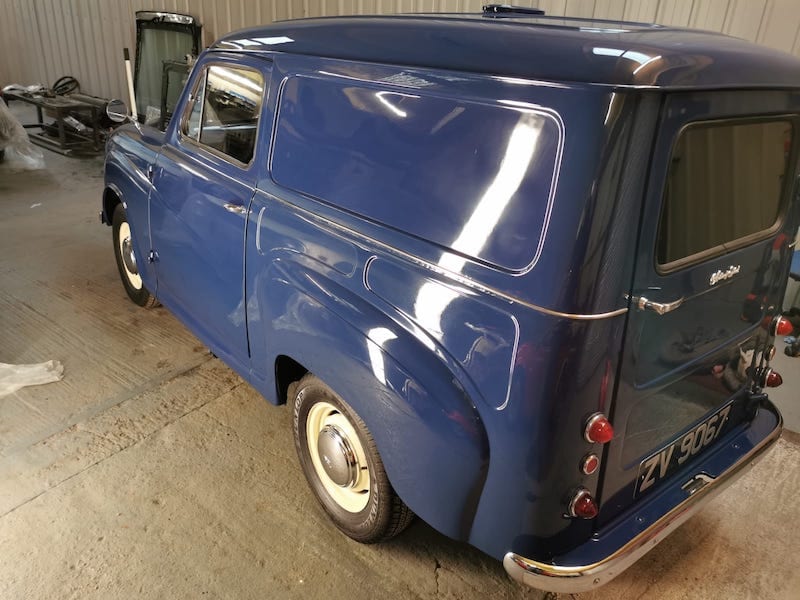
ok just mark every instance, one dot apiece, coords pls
pixel 507 10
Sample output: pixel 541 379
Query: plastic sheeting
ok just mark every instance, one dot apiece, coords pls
pixel 15 377
pixel 19 151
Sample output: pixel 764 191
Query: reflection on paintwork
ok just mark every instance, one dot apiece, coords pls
pixel 645 63
pixel 530 82
pixel 603 30
pixel 437 164
pixel 241 43
pixel 637 57
pixel 376 338
pixel 483 339
pixel 272 41
pixel 384 98
pixel 433 299
pixel 407 80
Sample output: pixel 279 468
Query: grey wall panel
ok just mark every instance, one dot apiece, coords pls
pixel 41 40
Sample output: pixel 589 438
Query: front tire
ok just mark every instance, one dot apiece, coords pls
pixel 342 465
pixel 126 260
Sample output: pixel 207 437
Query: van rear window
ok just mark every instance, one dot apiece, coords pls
pixel 725 183
pixel 472 177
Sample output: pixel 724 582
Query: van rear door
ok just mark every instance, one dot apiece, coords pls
pixel 711 266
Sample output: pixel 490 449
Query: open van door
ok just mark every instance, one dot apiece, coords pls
pixel 714 248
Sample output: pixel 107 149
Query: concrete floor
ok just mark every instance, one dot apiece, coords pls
pixel 153 471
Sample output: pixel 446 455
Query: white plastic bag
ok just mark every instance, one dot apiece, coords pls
pixel 14 377
pixel 19 152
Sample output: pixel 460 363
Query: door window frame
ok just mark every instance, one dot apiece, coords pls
pixel 200 82
pixel 787 190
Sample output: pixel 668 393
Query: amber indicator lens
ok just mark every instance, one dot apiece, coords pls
pixel 783 326
pixel 590 463
pixel 773 379
pixel 583 505
pixel 598 429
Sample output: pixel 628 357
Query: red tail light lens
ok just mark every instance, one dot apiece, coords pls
pixel 589 464
pixel 782 326
pixel 583 505
pixel 773 379
pixel 598 429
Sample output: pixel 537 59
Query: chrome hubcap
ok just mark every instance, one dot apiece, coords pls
pixel 129 268
pixel 127 255
pixel 337 456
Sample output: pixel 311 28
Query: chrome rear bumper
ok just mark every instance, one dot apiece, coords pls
pixel 571 578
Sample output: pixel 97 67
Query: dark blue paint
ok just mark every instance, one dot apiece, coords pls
pixel 714 321
pixel 544 48
pixel 200 244
pixel 475 398
pixel 474 178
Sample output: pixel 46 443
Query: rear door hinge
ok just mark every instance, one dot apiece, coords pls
pixel 150 173
pixel 152 256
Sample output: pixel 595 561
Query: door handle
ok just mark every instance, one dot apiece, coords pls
pixel 661 308
pixel 235 208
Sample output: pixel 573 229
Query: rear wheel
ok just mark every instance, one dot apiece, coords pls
pixel 341 463
pixel 126 260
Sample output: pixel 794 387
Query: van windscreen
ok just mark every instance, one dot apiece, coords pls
pixel 724 184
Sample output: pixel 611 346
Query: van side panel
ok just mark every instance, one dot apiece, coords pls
pixel 474 177
pixel 473 378
pixel 427 430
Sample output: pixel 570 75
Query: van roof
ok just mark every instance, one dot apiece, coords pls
pixel 532 47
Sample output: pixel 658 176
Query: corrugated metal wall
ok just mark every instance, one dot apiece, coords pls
pixel 41 40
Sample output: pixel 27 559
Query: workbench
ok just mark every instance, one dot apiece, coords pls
pixel 68 140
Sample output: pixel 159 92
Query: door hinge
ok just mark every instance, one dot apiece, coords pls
pixel 150 172
pixel 152 256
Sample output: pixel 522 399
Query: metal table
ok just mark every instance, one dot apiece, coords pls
pixel 60 107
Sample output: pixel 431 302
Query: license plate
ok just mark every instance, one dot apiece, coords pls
pixel 658 466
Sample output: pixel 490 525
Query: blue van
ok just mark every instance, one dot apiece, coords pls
pixel 517 275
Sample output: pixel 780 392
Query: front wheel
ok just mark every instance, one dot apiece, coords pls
pixel 341 463
pixel 126 260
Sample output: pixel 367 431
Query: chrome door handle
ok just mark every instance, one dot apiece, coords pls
pixel 235 208
pixel 661 308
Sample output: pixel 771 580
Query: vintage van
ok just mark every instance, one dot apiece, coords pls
pixel 517 275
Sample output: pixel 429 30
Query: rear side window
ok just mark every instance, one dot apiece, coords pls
pixel 476 178
pixel 223 113
pixel 724 186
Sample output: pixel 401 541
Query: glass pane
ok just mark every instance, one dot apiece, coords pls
pixel 156 46
pixel 725 182
pixel 230 111
pixel 176 74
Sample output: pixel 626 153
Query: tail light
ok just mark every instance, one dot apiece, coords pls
pixel 781 326
pixel 598 429
pixel 590 463
pixel 767 377
pixel 773 378
pixel 583 505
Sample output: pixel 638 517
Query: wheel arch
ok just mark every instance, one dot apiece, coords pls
pixel 427 430
pixel 112 196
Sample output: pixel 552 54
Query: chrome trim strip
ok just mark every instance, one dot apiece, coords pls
pixel 458 278
pixel 583 578
pixel 258 229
